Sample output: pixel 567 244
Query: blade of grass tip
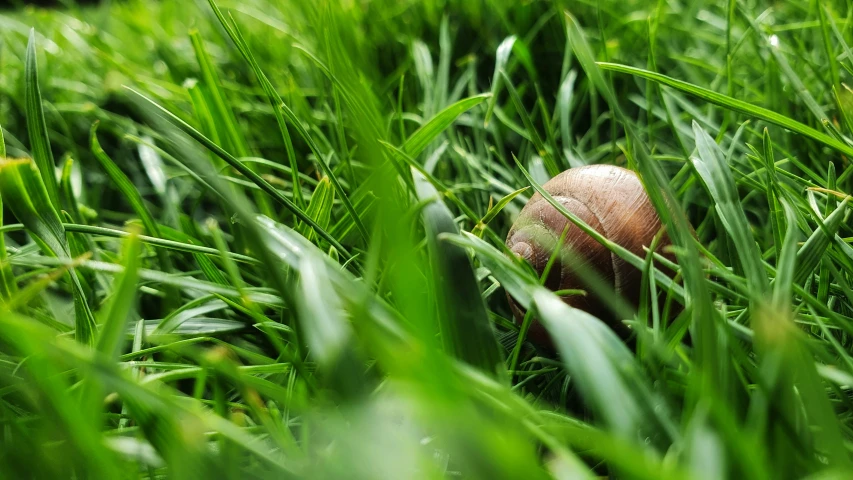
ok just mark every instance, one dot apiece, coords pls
pixel 275 102
pixel 426 133
pixel 495 210
pixel 501 57
pixel 37 127
pixel 240 167
pixel 466 331
pixel 786 264
pixel 733 104
pixel 842 103
pixel 21 186
pixel 777 215
pixel 823 275
pixel 564 107
pixel 2 144
pixel 66 191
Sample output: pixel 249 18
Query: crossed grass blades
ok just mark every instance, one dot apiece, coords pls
pixel 265 240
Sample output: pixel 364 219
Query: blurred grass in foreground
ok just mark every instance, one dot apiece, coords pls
pixel 266 241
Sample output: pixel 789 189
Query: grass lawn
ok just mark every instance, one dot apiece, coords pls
pixel 266 239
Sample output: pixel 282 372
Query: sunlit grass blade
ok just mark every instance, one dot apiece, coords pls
pixel 496 209
pixel 507 46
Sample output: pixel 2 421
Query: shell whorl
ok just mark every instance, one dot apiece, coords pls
pixel 609 199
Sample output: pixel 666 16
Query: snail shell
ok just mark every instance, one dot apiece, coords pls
pixel 609 199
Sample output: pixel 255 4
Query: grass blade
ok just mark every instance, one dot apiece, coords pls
pixel 732 104
pixel 466 330
pixel 37 127
pixel 24 192
pixel 242 168
pixel 429 131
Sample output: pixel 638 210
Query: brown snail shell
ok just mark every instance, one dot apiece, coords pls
pixel 609 199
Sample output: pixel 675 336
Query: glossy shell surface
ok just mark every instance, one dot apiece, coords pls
pixel 609 199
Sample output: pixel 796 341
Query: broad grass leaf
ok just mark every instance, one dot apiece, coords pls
pixel 328 334
pixel 24 193
pixel 466 331
pixel 429 131
pixel 612 383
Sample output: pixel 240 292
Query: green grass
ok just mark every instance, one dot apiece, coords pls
pixel 261 239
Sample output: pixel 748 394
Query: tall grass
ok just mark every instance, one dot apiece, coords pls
pixel 259 239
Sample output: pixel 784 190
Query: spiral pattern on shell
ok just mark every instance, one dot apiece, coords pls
pixel 609 199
